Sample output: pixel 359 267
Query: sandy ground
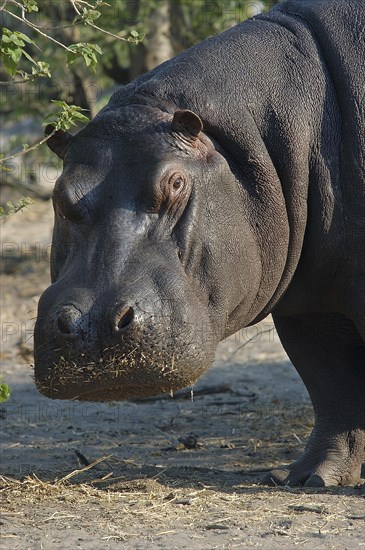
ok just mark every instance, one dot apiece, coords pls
pixel 168 473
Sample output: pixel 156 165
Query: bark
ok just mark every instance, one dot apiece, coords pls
pixel 180 27
pixel 159 47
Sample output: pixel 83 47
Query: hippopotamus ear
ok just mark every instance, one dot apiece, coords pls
pixel 188 123
pixel 57 143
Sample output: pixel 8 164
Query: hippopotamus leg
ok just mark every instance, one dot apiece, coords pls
pixel 329 355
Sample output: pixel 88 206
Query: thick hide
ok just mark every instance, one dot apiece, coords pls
pixel 226 184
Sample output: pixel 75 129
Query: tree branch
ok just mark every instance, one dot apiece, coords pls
pixel 92 25
pixel 32 148
pixel 23 19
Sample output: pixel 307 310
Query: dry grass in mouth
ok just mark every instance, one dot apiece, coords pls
pixel 136 370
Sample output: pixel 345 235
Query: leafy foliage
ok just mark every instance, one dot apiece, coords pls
pixel 66 116
pixel 4 391
pixel 12 49
pixel 85 51
pixel 55 47
pixel 30 5
pixel 14 208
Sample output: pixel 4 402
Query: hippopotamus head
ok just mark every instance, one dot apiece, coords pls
pixel 150 226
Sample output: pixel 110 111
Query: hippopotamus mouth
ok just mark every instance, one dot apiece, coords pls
pixel 120 374
pixel 88 382
pixel 87 357
pixel 119 377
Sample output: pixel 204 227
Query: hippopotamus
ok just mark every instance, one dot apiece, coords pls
pixel 224 185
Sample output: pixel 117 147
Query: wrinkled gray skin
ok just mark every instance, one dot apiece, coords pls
pixel 226 184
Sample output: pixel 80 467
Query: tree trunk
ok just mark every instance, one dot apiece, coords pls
pixel 158 41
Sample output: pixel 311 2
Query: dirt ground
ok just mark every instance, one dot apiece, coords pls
pixel 165 473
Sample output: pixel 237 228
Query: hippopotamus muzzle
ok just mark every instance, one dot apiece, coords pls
pixel 138 357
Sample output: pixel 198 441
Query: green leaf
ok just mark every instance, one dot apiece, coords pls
pixel 59 103
pixel 135 37
pixel 96 48
pixel 24 37
pixel 42 69
pixel 86 51
pixel 10 66
pixel 13 39
pixel 5 37
pixel 15 54
pixel 90 15
pixel 11 48
pixel 80 117
pixel 66 116
pixel 29 57
pixel 4 388
pixel 30 5
pixel 13 208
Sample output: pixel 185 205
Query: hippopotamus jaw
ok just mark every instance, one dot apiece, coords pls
pixel 138 361
pixel 108 349
pixel 124 376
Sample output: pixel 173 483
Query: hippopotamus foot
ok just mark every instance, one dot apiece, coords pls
pixel 327 461
pixel 329 354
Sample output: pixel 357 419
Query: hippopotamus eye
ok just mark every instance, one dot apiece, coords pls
pixel 175 191
pixel 70 212
pixel 176 183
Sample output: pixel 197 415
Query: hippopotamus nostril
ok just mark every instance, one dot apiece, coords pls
pixel 124 319
pixel 64 325
pixel 66 322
